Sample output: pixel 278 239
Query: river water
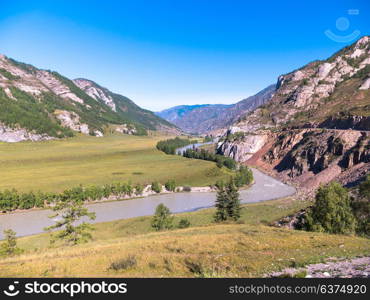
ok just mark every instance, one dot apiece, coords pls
pixel 34 221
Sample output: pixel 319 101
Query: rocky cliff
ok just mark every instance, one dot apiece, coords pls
pixel 316 126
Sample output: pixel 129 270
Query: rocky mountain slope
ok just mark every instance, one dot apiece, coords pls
pixel 316 126
pixel 210 117
pixel 39 104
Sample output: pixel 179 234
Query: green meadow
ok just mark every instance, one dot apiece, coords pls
pixel 53 166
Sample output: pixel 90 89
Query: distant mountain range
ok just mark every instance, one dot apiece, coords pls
pixel 40 104
pixel 205 118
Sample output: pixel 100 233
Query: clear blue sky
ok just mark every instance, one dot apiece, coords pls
pixel 166 53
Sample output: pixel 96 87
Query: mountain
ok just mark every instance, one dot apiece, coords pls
pixel 316 126
pixel 206 118
pixel 40 104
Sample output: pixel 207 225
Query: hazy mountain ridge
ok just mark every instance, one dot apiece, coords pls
pixel 40 104
pixel 206 118
pixel 316 127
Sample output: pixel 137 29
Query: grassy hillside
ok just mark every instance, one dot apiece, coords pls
pixel 203 250
pixel 40 96
pixel 56 165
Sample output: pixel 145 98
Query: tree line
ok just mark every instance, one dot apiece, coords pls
pixel 169 146
pixel 220 160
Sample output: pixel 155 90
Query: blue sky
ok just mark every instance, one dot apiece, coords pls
pixel 166 53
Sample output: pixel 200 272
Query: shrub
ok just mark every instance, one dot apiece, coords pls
pixel 162 218
pixel 156 187
pixel 331 212
pixel 139 188
pixel 243 177
pixel 170 185
pixel 9 246
pixel 184 223
pixel 124 264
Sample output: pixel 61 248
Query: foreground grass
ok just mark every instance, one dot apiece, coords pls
pixel 203 250
pixel 53 166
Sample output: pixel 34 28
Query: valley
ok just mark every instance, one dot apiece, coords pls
pixel 53 166
pixel 306 140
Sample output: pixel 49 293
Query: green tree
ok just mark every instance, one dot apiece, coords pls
pixel 9 246
pixel 162 218
pixel 139 188
pixel 71 212
pixel 331 212
pixel 365 188
pixel 170 185
pixel 221 203
pixel 156 187
pixel 227 201
pixel 233 200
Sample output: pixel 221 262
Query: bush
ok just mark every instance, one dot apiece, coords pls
pixel 124 264
pixel 184 223
pixel 156 187
pixel 162 218
pixel 9 246
pixel 139 188
pixel 170 185
pixel 331 212
pixel 243 177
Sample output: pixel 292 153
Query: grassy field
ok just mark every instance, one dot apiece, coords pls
pixel 203 250
pixel 56 165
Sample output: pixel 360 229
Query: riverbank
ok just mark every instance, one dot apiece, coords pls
pixel 246 249
pixel 33 222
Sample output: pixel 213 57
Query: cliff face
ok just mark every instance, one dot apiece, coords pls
pixel 316 126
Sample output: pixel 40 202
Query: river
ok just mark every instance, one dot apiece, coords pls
pixel 33 221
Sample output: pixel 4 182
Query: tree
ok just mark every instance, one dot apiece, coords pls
pixel 331 212
pixel 9 246
pixel 227 201
pixel 221 203
pixel 233 205
pixel 139 188
pixel 170 185
pixel 162 218
pixel 361 208
pixel 71 212
pixel 156 187
pixel 365 188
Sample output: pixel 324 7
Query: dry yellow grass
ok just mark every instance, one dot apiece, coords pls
pixel 235 250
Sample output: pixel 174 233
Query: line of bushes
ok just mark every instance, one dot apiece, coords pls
pixel 169 146
pixel 12 199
